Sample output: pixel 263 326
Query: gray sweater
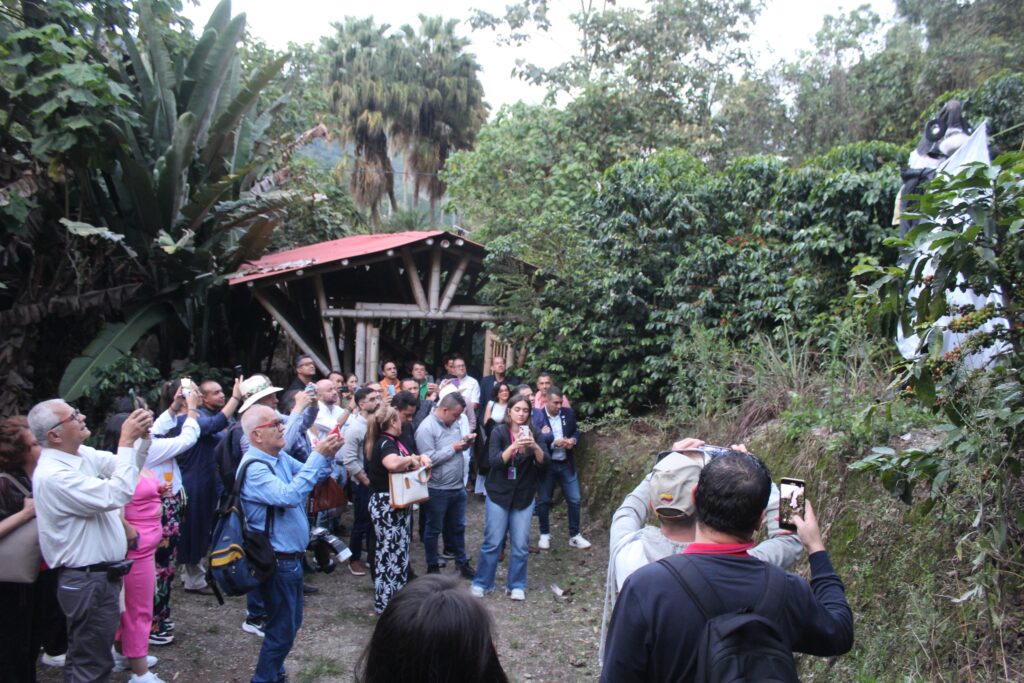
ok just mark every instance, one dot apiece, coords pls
pixel 352 452
pixel 434 440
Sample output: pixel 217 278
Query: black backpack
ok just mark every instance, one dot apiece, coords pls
pixel 742 645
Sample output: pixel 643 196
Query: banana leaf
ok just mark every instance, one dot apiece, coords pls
pixel 171 190
pixel 213 73
pixel 163 73
pixel 113 341
pixel 195 62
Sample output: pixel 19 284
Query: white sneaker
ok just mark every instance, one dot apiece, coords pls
pixel 148 677
pixel 121 662
pixel 578 541
pixel 53 660
pixel 476 591
pixel 545 542
pixel 517 594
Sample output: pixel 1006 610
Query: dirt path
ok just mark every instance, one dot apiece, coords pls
pixel 545 638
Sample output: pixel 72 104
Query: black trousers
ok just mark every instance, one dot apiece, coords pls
pixel 33 619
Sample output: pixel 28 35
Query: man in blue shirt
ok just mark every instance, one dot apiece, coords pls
pixel 557 426
pixel 280 489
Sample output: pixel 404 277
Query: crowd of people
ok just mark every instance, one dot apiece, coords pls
pixel 113 525
pixel 116 523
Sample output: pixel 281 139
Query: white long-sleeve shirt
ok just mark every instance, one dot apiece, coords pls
pixel 77 501
pixel 163 452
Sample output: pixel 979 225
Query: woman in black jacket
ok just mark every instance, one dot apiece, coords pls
pixel 517 458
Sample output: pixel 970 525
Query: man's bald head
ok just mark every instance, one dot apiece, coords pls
pixel 257 415
pixel 327 391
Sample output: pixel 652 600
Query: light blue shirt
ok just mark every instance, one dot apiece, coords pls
pixel 284 484
pixel 556 431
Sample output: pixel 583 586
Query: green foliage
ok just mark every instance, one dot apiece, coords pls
pixel 970 233
pixel 126 376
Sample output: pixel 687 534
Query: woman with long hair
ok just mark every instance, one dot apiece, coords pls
pixel 33 616
pixel 494 414
pixel 517 458
pixel 432 632
pixel 385 453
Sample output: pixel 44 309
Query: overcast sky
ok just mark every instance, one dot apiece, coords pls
pixel 783 28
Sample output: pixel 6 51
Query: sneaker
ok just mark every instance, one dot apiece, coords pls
pixel 357 568
pixel 148 677
pixel 121 662
pixel 476 591
pixel 167 625
pixel 578 541
pixel 161 636
pixel 447 554
pixel 53 660
pixel 545 542
pixel 467 571
pixel 310 590
pixel 433 569
pixel 517 594
pixel 255 626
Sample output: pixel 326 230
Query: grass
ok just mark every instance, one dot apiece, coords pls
pixel 321 667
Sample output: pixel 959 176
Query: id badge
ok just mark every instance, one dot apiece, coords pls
pixel 512 472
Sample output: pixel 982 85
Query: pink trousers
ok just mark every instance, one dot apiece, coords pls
pixel 139 585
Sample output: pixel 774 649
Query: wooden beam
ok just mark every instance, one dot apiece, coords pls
pixel 397 311
pixel 372 352
pixel 411 308
pixel 291 329
pixel 435 278
pixel 414 280
pixel 329 336
pixel 453 282
pixel 360 360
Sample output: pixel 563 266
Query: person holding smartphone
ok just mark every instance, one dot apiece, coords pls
pixel 517 458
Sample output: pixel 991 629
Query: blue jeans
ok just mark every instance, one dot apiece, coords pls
pixel 282 594
pixel 361 522
pixel 498 522
pixel 446 515
pixel 559 471
pixel 254 607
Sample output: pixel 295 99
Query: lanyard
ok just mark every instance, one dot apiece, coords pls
pixel 401 446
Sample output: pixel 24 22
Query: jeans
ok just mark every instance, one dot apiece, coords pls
pixel 361 522
pixel 446 515
pixel 282 594
pixel 254 607
pixel 560 471
pixel 498 522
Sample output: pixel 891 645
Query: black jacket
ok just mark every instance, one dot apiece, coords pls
pixel 513 494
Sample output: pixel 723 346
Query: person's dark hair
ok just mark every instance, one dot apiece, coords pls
pixel 554 391
pixel 544 374
pixel 361 393
pixel 451 400
pixel 512 402
pixel 299 358
pixel 497 388
pixel 167 392
pixel 417 362
pixel 523 387
pixel 350 375
pixel 432 631
pixel 332 373
pixel 112 431
pixel 404 399
pixel 732 492
pixel 125 404
pixel 12 443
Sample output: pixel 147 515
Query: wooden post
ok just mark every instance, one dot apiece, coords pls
pixel 373 351
pixel 360 355
pixel 453 283
pixel 329 337
pixel 290 329
pixel 348 352
pixel 414 280
pixel 435 278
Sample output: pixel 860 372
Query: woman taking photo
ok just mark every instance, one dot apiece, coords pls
pixel 33 616
pixel 494 414
pixel 517 458
pixel 385 453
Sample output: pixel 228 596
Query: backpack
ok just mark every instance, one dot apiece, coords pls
pixel 228 456
pixel 240 558
pixel 742 645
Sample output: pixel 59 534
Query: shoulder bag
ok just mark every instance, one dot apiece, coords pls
pixel 407 488
pixel 19 550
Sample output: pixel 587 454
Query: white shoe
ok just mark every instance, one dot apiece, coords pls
pixel 517 594
pixel 476 591
pixel 53 660
pixel 545 542
pixel 148 677
pixel 121 662
pixel 578 541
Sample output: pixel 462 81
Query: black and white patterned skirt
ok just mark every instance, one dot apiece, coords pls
pixel 391 554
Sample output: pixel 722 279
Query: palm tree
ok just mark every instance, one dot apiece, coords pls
pixel 449 103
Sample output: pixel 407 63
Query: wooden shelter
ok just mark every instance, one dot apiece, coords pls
pixel 339 301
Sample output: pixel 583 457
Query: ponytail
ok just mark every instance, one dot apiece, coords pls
pixel 375 427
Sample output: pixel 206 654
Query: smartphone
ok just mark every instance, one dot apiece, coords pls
pixel 791 502
pixel 524 432
pixel 186 386
pixel 238 371
pixel 311 389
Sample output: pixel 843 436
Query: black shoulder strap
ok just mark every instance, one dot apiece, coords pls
pixel 17 484
pixel 237 495
pixel 772 600
pixel 695 584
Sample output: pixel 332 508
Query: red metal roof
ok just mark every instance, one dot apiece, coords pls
pixel 322 253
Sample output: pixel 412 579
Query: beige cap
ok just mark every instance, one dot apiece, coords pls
pixel 675 476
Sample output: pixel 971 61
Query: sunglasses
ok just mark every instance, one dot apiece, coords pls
pixel 75 415
pixel 279 423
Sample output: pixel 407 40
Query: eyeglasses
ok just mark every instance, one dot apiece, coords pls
pixel 279 423
pixel 75 415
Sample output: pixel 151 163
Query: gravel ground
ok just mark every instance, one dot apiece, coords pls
pixel 546 638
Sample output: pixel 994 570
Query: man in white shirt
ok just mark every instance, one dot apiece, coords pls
pixel 78 492
pixel 469 388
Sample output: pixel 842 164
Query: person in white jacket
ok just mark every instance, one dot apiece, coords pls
pixel 667 491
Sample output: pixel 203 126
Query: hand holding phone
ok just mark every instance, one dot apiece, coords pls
pixel 791 502
pixel 186 386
